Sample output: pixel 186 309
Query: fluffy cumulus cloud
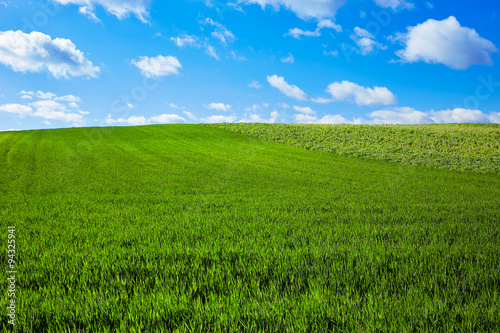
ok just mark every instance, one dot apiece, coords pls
pixel 168 119
pixel 219 119
pixel 37 52
pixel 406 116
pixel 218 106
pixel 256 118
pixel 327 119
pixel 351 92
pixel 305 9
pixel 48 106
pixel 119 8
pixel 132 120
pixel 141 120
pixel 158 66
pixel 395 4
pixel 289 90
pixel 445 42
pixel 305 118
pixel 365 41
pixel 19 109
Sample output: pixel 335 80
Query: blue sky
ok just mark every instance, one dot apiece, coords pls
pixel 66 63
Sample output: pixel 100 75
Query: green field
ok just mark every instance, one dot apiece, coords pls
pixel 191 228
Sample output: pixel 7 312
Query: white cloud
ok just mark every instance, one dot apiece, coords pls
pixel 235 56
pixel 288 59
pixel 365 41
pixel 287 89
pixel 235 7
pixel 334 54
pixel 220 32
pixel 223 35
pixel 445 42
pixel 37 52
pixel 329 24
pixel 401 115
pixel 305 119
pixel 50 106
pixel 305 9
pixel 20 110
pixel 52 110
pixel 211 52
pixel 219 119
pixel 27 97
pixel 395 4
pixel 255 84
pixel 119 8
pixel 185 40
pixel 45 95
pixel 335 119
pixel 305 110
pixel 68 98
pixel 348 91
pixel 283 105
pixel 255 118
pixel 168 119
pixel 141 120
pixel 211 22
pixel 297 33
pixel 173 106
pixel 494 117
pixel 190 115
pixel 321 100
pixel 132 120
pixel 218 106
pixel 460 115
pixel 407 115
pixel 255 107
pixel 85 10
pixel 157 66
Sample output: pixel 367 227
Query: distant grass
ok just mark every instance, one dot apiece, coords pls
pixel 467 147
pixel 188 228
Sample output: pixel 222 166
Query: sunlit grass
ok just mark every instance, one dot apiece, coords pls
pixel 195 229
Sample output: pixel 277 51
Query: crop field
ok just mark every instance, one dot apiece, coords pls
pixel 192 228
pixel 468 147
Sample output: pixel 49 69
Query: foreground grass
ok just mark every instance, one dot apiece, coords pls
pixel 195 229
pixel 467 147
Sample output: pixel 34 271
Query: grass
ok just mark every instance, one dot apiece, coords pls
pixel 467 147
pixel 188 228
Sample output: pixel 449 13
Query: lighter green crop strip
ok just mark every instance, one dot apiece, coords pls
pixel 467 147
